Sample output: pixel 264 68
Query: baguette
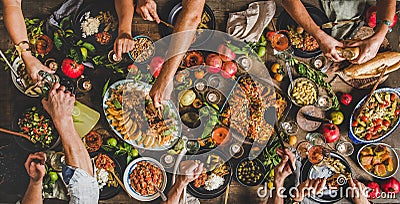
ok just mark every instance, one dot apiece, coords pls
pixel 373 67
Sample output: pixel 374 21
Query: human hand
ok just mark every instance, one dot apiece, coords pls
pixel 359 192
pixel 34 66
pixel 160 91
pixel 282 170
pixel 34 166
pixel 60 103
pixel 328 45
pixel 309 187
pixel 123 44
pixel 189 171
pixel 148 10
pixel 368 49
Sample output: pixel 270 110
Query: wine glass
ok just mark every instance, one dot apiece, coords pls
pixel 283 50
pixel 317 154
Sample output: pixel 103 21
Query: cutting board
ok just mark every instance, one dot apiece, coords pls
pixel 85 118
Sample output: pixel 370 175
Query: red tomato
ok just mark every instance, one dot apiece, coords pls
pixel 371 129
pixel 377 128
pixel 378 121
pixel 354 123
pixel 385 103
pixel 397 112
pixel 392 97
pixel 364 118
pixel 386 123
pixel 368 136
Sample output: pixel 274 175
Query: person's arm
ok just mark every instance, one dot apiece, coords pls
pixel 183 34
pixel 124 41
pixel 34 166
pixel 60 105
pixel 15 24
pixel 369 47
pixel 299 13
pixel 189 171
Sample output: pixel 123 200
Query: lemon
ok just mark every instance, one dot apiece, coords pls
pixel 292 140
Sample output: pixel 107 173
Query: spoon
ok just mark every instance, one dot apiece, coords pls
pixel 17 78
pixel 163 196
pixel 111 170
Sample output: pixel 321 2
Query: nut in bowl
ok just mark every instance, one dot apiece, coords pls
pixel 378 160
pixel 304 92
pixel 143 50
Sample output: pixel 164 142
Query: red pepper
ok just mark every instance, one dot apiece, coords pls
pixel 391 185
pixel 375 190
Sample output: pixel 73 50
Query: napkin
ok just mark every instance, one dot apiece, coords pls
pixel 249 25
pixel 68 8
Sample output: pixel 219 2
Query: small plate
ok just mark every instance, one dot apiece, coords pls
pixel 127 182
pixel 393 154
pixel 310 171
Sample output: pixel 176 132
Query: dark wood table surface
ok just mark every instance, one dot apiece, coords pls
pixel 12 100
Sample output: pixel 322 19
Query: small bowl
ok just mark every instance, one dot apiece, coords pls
pixel 393 154
pixel 262 169
pixel 150 55
pixel 298 80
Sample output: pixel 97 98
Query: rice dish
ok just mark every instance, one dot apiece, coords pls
pixel 102 177
pixel 89 26
pixel 213 182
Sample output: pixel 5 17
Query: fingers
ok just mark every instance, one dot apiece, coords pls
pixel 38 156
pixel 352 183
pixel 118 49
pixel 153 13
pixel 282 164
pixel 146 15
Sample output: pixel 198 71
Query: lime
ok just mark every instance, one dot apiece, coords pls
pixel 112 142
pixel 53 176
pixel 134 153
pixel 262 51
pixel 270 184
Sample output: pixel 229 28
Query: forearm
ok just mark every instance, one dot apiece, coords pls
pixel 184 32
pixel 14 21
pixel 299 13
pixel 125 11
pixel 33 194
pixel 386 10
pixel 76 154
pixel 175 192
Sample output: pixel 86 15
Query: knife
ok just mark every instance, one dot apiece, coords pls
pixel 333 24
pixel 316 119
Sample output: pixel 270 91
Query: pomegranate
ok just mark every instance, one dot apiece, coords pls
pixel 346 99
pixel 214 63
pixel 375 190
pixel 226 53
pixel 391 185
pixel 71 68
pixel 371 17
pixel 156 65
pixel 229 69
pixel 331 132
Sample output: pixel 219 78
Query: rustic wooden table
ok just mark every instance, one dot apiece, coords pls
pixel 11 99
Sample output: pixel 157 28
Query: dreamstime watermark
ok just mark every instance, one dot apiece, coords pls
pixel 349 192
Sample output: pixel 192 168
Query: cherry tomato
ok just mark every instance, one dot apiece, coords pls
pixel 386 123
pixel 392 97
pixel 397 112
pixel 385 103
pixel 368 136
pixel 354 123
pixel 371 129
pixel 378 121
pixel 364 118
pixel 377 128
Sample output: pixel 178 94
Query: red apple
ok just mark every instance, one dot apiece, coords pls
pixel 229 69
pixel 156 65
pixel 71 68
pixel 226 53
pixel 371 17
pixel 214 63
pixel 331 132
